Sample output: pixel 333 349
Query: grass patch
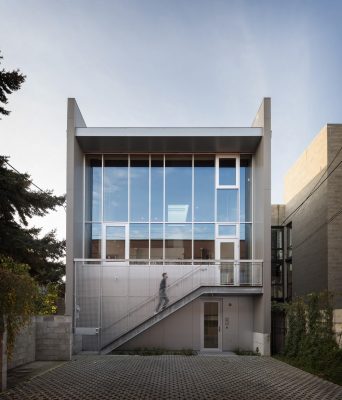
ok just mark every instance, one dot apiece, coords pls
pixel 241 352
pixel 154 351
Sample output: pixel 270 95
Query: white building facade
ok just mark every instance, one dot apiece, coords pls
pixel 192 202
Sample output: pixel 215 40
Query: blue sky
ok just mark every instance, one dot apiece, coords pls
pixel 168 63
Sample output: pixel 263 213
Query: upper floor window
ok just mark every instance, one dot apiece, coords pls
pixel 227 174
pixel 93 188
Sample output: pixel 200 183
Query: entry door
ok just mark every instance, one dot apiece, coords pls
pixel 227 249
pixel 211 325
pixel 116 242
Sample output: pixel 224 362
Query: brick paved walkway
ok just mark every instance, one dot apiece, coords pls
pixel 175 377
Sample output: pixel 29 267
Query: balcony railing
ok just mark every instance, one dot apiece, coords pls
pixel 114 296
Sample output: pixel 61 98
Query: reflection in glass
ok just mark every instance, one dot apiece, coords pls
pixel 289 280
pixel 156 241
pixel 204 188
pixel 93 188
pixel 115 242
pixel 277 238
pixel 227 171
pixel 139 188
pixel 245 241
pixel 211 321
pixel 178 239
pixel 116 188
pixel 178 188
pixel 227 230
pixel 92 241
pixel 204 241
pixel 227 250
pixel 245 188
pixel 277 280
pixel 138 243
pixel 227 205
pixel 157 188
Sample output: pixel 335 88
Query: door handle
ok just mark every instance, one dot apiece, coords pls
pixel 219 329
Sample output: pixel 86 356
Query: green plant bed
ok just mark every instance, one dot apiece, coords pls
pixel 241 352
pixel 155 351
pixel 310 342
pixel 330 368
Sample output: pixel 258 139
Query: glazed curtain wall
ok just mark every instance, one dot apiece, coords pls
pixel 166 206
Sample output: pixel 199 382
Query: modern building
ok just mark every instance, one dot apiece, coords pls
pixel 306 230
pixel 192 202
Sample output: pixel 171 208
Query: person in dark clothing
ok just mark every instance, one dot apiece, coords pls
pixel 163 299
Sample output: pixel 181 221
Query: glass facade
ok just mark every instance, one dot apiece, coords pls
pixel 178 189
pixel 277 253
pixel 167 206
pixel 93 184
pixel 204 188
pixel 115 188
pixel 139 187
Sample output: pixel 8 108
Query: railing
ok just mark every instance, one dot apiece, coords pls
pixel 114 296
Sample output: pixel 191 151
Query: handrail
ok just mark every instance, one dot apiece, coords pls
pixel 154 296
pixel 152 261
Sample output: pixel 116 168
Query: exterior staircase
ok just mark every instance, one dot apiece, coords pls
pixel 201 291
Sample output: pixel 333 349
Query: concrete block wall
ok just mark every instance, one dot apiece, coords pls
pixel 25 346
pixel 46 338
pixel 309 165
pixel 309 231
pixel 53 338
pixel 278 214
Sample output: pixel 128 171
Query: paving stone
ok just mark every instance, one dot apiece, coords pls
pixel 175 377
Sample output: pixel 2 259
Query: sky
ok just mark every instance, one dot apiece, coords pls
pixel 167 63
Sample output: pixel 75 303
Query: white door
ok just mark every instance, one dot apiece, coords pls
pixel 115 243
pixel 211 325
pixel 227 249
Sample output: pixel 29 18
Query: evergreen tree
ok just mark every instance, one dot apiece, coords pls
pixel 18 203
pixel 10 81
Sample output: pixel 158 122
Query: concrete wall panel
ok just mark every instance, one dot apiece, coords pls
pixel 334 227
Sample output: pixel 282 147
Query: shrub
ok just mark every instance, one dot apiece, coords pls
pixel 18 296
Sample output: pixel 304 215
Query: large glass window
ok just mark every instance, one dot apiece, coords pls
pixel 178 241
pixel 245 241
pixel 245 188
pixel 178 190
pixel 156 241
pixel 138 244
pixel 93 191
pixel 289 240
pixel 227 230
pixel 116 188
pixel 204 188
pixel 277 259
pixel 204 241
pixel 227 171
pixel 227 205
pixel 116 242
pixel 139 188
pixel 176 205
pixel 157 188
pixel 92 241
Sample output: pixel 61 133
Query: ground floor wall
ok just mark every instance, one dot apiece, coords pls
pixel 184 329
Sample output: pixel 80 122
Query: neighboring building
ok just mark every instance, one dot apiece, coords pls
pixel 192 202
pixel 310 224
